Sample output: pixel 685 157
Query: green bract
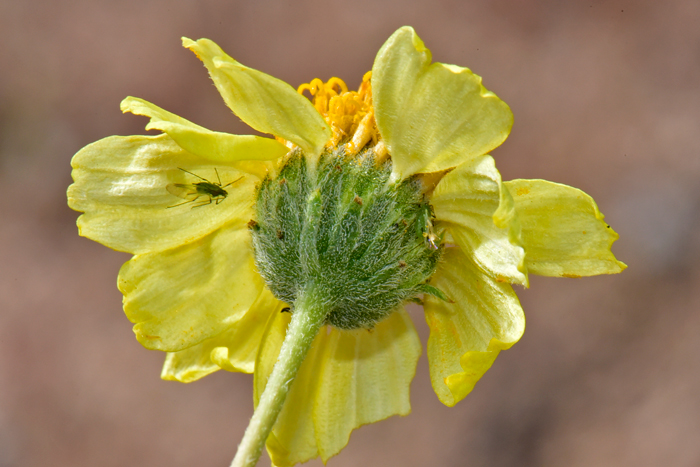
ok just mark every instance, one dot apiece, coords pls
pixel 359 240
pixel 362 202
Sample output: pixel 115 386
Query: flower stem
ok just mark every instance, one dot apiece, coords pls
pixel 307 319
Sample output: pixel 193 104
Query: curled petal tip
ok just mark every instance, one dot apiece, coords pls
pixel 124 104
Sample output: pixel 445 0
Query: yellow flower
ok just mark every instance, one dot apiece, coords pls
pixel 212 274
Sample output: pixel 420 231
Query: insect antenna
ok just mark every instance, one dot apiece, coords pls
pixel 201 178
pixel 231 183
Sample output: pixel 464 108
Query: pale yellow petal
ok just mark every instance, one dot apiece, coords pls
pixel 363 377
pixel 349 379
pixel 243 339
pixel 121 186
pixel 478 211
pixel 234 349
pixel 190 364
pixel 265 103
pixel 179 297
pixel 466 335
pixel 212 145
pixel 563 231
pixel 432 116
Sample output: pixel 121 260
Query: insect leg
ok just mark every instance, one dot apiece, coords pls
pixel 176 205
pixel 202 204
pixel 186 202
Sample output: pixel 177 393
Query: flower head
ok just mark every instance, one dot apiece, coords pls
pixel 362 202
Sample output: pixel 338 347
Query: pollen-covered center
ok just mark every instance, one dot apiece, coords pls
pixel 349 114
pixel 364 245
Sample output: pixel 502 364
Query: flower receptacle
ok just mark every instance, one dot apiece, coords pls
pixel 366 242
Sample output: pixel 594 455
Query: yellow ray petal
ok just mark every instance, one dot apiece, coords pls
pixel 466 336
pixel 212 145
pixel 563 231
pixel 363 377
pixel 177 298
pixel 432 117
pixel 244 338
pixel 480 215
pixel 234 349
pixel 191 364
pixel 121 186
pixel 349 379
pixel 265 103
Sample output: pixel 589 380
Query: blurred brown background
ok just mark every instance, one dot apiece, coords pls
pixel 606 97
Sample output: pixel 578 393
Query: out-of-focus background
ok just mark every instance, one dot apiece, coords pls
pixel 606 97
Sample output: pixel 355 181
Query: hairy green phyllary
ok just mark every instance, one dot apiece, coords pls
pixel 364 242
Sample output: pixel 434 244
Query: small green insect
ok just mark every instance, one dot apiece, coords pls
pixel 425 228
pixel 214 191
